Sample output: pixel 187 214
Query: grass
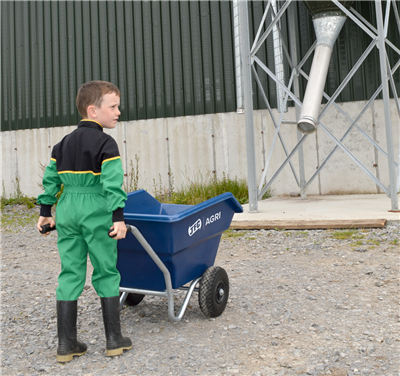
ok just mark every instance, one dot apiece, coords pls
pixel 11 222
pixel 343 234
pixel 17 198
pixel 13 218
pixel 196 190
pixel 202 188
pixel 232 234
pixel 29 202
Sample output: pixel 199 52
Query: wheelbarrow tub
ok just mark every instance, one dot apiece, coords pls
pixel 185 238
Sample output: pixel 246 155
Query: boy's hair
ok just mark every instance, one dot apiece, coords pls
pixel 92 92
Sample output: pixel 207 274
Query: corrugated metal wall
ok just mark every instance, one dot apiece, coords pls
pixel 169 58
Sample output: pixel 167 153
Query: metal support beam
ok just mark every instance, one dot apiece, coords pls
pixel 291 90
pixel 392 191
pixel 248 105
pixel 294 42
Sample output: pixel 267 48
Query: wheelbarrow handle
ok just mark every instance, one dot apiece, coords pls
pixel 128 229
pixel 46 228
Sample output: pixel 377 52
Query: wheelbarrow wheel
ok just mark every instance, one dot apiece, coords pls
pixel 133 299
pixel 213 291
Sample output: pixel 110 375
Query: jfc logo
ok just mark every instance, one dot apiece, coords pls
pixel 194 227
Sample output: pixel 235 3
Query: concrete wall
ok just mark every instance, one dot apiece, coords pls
pixel 192 146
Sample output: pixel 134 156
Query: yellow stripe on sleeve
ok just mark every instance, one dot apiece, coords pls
pixel 111 159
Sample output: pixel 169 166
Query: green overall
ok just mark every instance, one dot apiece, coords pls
pixel 85 211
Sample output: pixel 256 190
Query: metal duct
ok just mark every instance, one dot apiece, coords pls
pixel 328 23
pixel 278 59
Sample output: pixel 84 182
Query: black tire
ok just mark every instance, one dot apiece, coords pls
pixel 133 299
pixel 214 291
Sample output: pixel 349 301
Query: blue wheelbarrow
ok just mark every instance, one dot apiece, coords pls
pixel 173 247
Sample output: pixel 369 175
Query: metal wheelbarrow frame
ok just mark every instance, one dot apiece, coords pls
pixel 169 292
pixel 184 242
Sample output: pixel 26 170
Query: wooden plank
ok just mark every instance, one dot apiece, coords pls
pixel 308 224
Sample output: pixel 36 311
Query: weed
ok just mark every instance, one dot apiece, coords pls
pixel 29 202
pixel 170 181
pixel 43 168
pixel 395 241
pixel 343 234
pixel 17 186
pixel 303 233
pixel 17 198
pixel 201 188
pixel 133 176
pixel 232 234
pixel 11 222
pixel 160 193
pixel 357 239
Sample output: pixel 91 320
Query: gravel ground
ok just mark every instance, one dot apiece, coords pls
pixel 301 303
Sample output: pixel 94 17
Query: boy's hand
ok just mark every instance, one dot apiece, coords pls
pixel 119 230
pixel 44 221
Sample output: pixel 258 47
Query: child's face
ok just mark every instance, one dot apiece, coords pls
pixel 107 114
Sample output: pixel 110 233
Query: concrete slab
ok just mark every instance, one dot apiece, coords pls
pixel 343 211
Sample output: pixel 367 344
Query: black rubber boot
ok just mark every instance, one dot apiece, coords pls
pixel 68 346
pixel 116 344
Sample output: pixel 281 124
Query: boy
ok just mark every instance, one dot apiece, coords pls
pixel 88 163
